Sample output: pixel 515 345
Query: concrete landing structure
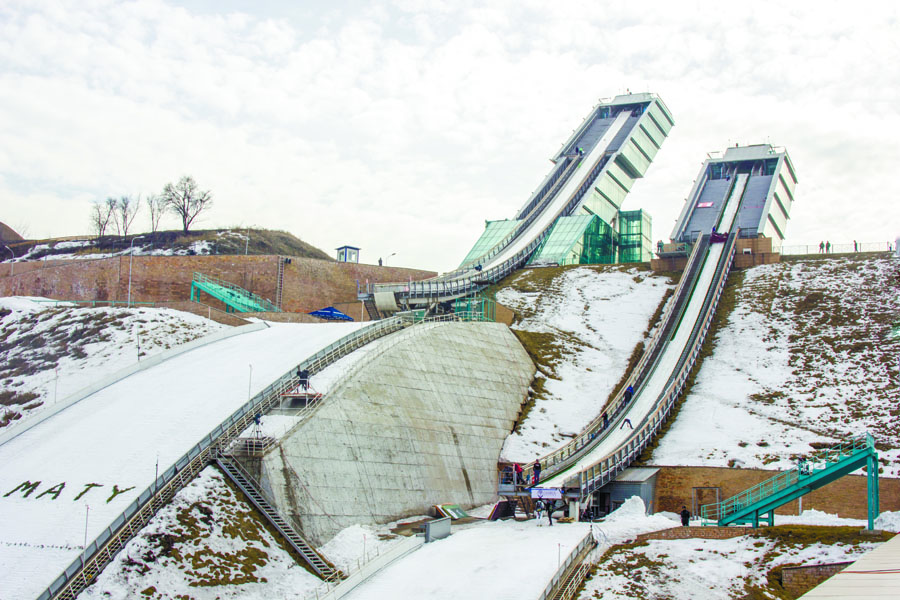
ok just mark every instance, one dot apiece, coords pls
pixel 419 423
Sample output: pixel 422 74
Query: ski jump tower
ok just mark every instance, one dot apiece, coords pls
pixel 591 175
pixel 767 199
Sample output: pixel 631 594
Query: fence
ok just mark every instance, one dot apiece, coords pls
pixel 842 248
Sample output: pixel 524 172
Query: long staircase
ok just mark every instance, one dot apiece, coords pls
pixel 279 281
pixel 235 298
pixel 253 491
pixel 819 469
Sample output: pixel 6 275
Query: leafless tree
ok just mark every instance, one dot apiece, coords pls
pixel 112 206
pixel 157 206
pixel 101 213
pixel 126 209
pixel 186 200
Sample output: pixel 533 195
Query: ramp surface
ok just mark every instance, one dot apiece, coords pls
pixel 84 465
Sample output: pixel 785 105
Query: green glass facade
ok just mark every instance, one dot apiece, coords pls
pixel 635 236
pixel 494 232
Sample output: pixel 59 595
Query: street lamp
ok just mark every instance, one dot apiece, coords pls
pixel 130 261
pixel 390 255
pixel 13 261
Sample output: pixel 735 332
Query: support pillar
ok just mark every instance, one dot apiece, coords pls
pixel 872 480
pixel 574 509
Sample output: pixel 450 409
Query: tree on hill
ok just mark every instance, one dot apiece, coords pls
pixel 157 206
pixel 186 200
pixel 126 209
pixel 101 214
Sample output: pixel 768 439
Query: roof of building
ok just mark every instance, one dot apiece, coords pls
pixel 348 247
pixel 637 474
pixel 874 575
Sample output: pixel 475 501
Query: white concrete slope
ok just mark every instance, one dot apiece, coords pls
pixel 647 397
pixel 66 480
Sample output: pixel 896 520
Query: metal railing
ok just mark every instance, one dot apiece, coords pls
pixel 842 248
pixel 575 556
pixel 113 538
pixel 818 461
pixel 245 297
pixel 562 458
pixel 605 469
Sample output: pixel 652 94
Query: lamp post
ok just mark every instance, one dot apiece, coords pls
pixel 390 255
pixel 13 261
pixel 130 261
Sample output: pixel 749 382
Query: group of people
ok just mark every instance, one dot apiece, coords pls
pixel 825 247
pixel 520 473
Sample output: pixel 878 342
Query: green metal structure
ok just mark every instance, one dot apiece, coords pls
pixel 759 502
pixel 477 308
pixel 635 243
pixel 235 298
pixel 577 240
pixel 494 232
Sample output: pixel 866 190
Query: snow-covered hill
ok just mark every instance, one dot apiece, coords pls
pixel 807 358
pixel 585 322
pixel 50 351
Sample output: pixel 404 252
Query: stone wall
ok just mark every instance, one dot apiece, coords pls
pixel 420 422
pixel 309 284
pixel 684 533
pixel 796 581
pixel 845 497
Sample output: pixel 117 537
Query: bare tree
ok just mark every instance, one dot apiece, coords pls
pixel 186 200
pixel 157 206
pixel 101 213
pixel 126 208
pixel 111 212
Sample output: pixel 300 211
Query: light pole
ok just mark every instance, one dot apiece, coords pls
pixel 130 261
pixel 390 255
pixel 13 261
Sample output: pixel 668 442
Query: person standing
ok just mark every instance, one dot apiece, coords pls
pixel 605 421
pixel 519 479
pixel 827 247
pixel 550 505
pixel 855 246
pixel 537 472
pixel 629 392
pixel 685 516
pixel 821 247
pixel 538 510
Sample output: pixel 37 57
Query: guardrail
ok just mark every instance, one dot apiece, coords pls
pixel 112 539
pixel 604 470
pixel 562 458
pixel 247 297
pixel 576 555
pixel 843 248
pixel 454 285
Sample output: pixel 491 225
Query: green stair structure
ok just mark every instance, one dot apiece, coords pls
pixel 821 468
pixel 235 298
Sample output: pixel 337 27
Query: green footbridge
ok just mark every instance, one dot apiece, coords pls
pixel 235 298
pixel 819 469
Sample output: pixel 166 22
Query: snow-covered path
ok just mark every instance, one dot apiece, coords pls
pixel 500 560
pixel 66 479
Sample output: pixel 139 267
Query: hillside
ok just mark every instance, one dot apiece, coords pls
pixel 177 243
pixel 805 359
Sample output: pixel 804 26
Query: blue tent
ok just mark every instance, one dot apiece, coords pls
pixel 331 313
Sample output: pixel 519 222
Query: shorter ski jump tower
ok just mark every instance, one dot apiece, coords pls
pixel 591 175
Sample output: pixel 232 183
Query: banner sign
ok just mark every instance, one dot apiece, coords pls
pixel 546 493
pixel 704 204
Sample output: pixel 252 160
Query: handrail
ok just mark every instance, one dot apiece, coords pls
pixel 785 479
pixel 558 578
pixel 140 511
pixel 559 459
pixel 602 471
pixel 251 300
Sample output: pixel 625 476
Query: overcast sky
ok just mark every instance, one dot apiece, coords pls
pixel 399 127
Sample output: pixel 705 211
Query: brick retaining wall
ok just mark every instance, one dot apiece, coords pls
pixel 309 284
pixel 706 533
pixel 845 497
pixel 798 580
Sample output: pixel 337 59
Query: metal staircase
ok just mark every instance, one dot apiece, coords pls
pixel 252 490
pixel 279 281
pixel 759 502
pixel 374 315
pixel 235 298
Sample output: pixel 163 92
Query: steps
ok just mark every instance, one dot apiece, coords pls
pixel 371 309
pixel 247 485
pixel 819 469
pixel 279 281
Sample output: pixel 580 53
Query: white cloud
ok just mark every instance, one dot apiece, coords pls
pixel 401 127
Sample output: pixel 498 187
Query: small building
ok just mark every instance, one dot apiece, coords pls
pixel 591 240
pixel 348 254
pixel 630 482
